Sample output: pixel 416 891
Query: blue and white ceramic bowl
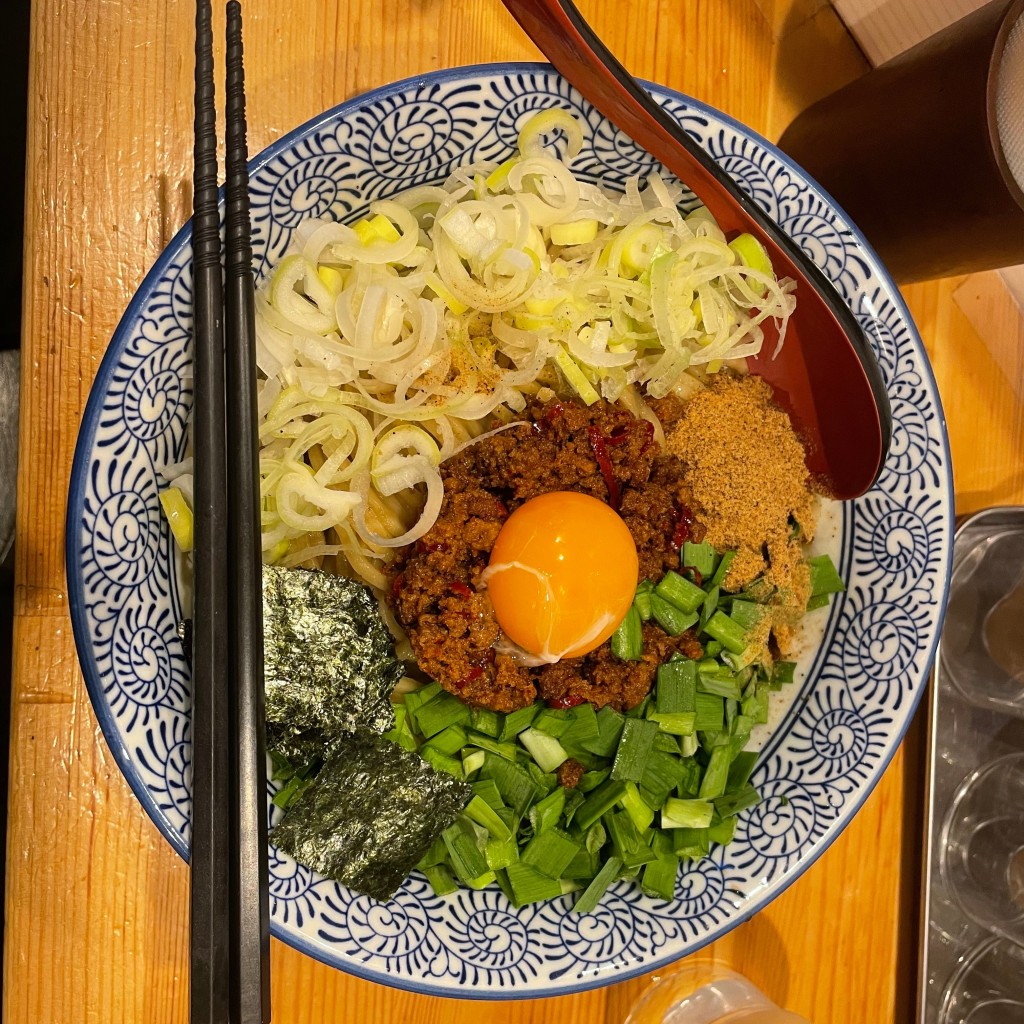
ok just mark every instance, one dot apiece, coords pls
pixel 856 690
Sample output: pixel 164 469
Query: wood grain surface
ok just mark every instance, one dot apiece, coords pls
pixel 96 927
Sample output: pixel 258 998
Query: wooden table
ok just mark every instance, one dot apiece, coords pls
pixel 96 900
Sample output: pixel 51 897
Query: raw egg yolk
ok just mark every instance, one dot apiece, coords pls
pixel 562 575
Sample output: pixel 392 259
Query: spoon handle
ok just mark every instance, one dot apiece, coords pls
pixel 847 443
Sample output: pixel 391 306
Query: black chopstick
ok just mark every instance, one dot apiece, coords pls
pixel 230 943
pixel 250 912
pixel 211 838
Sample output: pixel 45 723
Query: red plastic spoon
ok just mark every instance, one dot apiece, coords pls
pixel 826 375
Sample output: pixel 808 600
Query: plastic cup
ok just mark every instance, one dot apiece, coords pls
pixel 988 987
pixel 703 992
pixel 983 847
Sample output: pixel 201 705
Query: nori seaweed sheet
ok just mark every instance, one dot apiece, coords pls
pixel 330 662
pixel 370 814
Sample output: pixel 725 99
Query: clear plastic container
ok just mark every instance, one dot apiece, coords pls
pixel 989 986
pixel 704 992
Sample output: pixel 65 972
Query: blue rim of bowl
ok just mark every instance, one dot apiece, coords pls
pixel 87 433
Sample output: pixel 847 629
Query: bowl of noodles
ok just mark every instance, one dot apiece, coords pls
pixel 442 264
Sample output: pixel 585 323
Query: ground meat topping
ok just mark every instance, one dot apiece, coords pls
pixel 603 451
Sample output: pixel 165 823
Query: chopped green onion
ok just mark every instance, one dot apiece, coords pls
pixel 678 590
pixel 415 699
pixel 709 607
pixel 545 813
pixel 627 641
pixel 722 831
pixel 719 684
pixel 591 780
pixel 573 800
pixel 723 568
pixel 587 903
pixel 516 721
pixel 756 705
pixel 465 843
pixel 635 806
pixel 602 799
pixel 448 741
pixel 818 601
pixel 486 721
pixel 583 728
pixel 481 881
pixel 554 721
pixel 442 762
pixel 440 879
pixel 659 877
pixel 439 712
pixel 550 852
pixel 628 842
pixel 701 557
pixel 493 746
pixel 482 813
pixel 671 619
pixel 528 885
pixel 732 803
pixel 634 749
pixel 642 600
pixel 825 579
pixel 609 727
pixel 676 687
pixel 716 774
pixel 662 773
pixel 741 769
pixel 689 783
pixel 676 813
pixel 746 613
pixel 710 712
pixel 488 792
pixel 402 733
pixel 515 785
pixel 472 761
pixel 783 672
pixel 730 633
pixel 545 749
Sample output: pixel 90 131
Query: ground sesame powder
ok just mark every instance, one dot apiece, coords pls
pixel 750 485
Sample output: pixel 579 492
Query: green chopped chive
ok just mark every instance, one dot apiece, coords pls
pixel 441 711
pixel 709 607
pixel 602 799
pixel 818 601
pixel 719 684
pixel 545 813
pixel 583 867
pixel 746 613
pixel 716 775
pixel 679 591
pixel 701 557
pixel 671 619
pixel 516 721
pixel 628 843
pixel 573 800
pixel 482 813
pixel 402 733
pixel 591 780
pixel 486 721
pixel 436 854
pixel 662 773
pixel 482 881
pixel 627 641
pixel 609 728
pixel 544 781
pixel 550 852
pixel 741 769
pixel 755 706
pixel 633 804
pixel 759 591
pixel 723 831
pixel 681 723
pixel 415 699
pixel 710 712
pixel 825 579
pixel 642 600
pixel 528 885
pixel 691 843
pixel 666 743
pixel 741 800
pixel 728 632
pixel 553 721
pixel 783 672
pixel 588 901
pixel 634 749
pixel 440 879
pixel 688 745
pixel 723 568
pixel 490 744
pixel 448 741
pixel 472 760
pixel 544 749
pixel 487 791
pixel 443 763
pixel 515 785
pixel 689 783
pixel 712 649
pixel 659 876
pixel 676 687
pixel 676 813
pixel 466 843
pixel 583 728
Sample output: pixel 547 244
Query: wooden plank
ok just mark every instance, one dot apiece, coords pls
pixel 96 900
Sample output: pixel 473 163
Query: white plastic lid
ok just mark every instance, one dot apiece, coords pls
pixel 1010 102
